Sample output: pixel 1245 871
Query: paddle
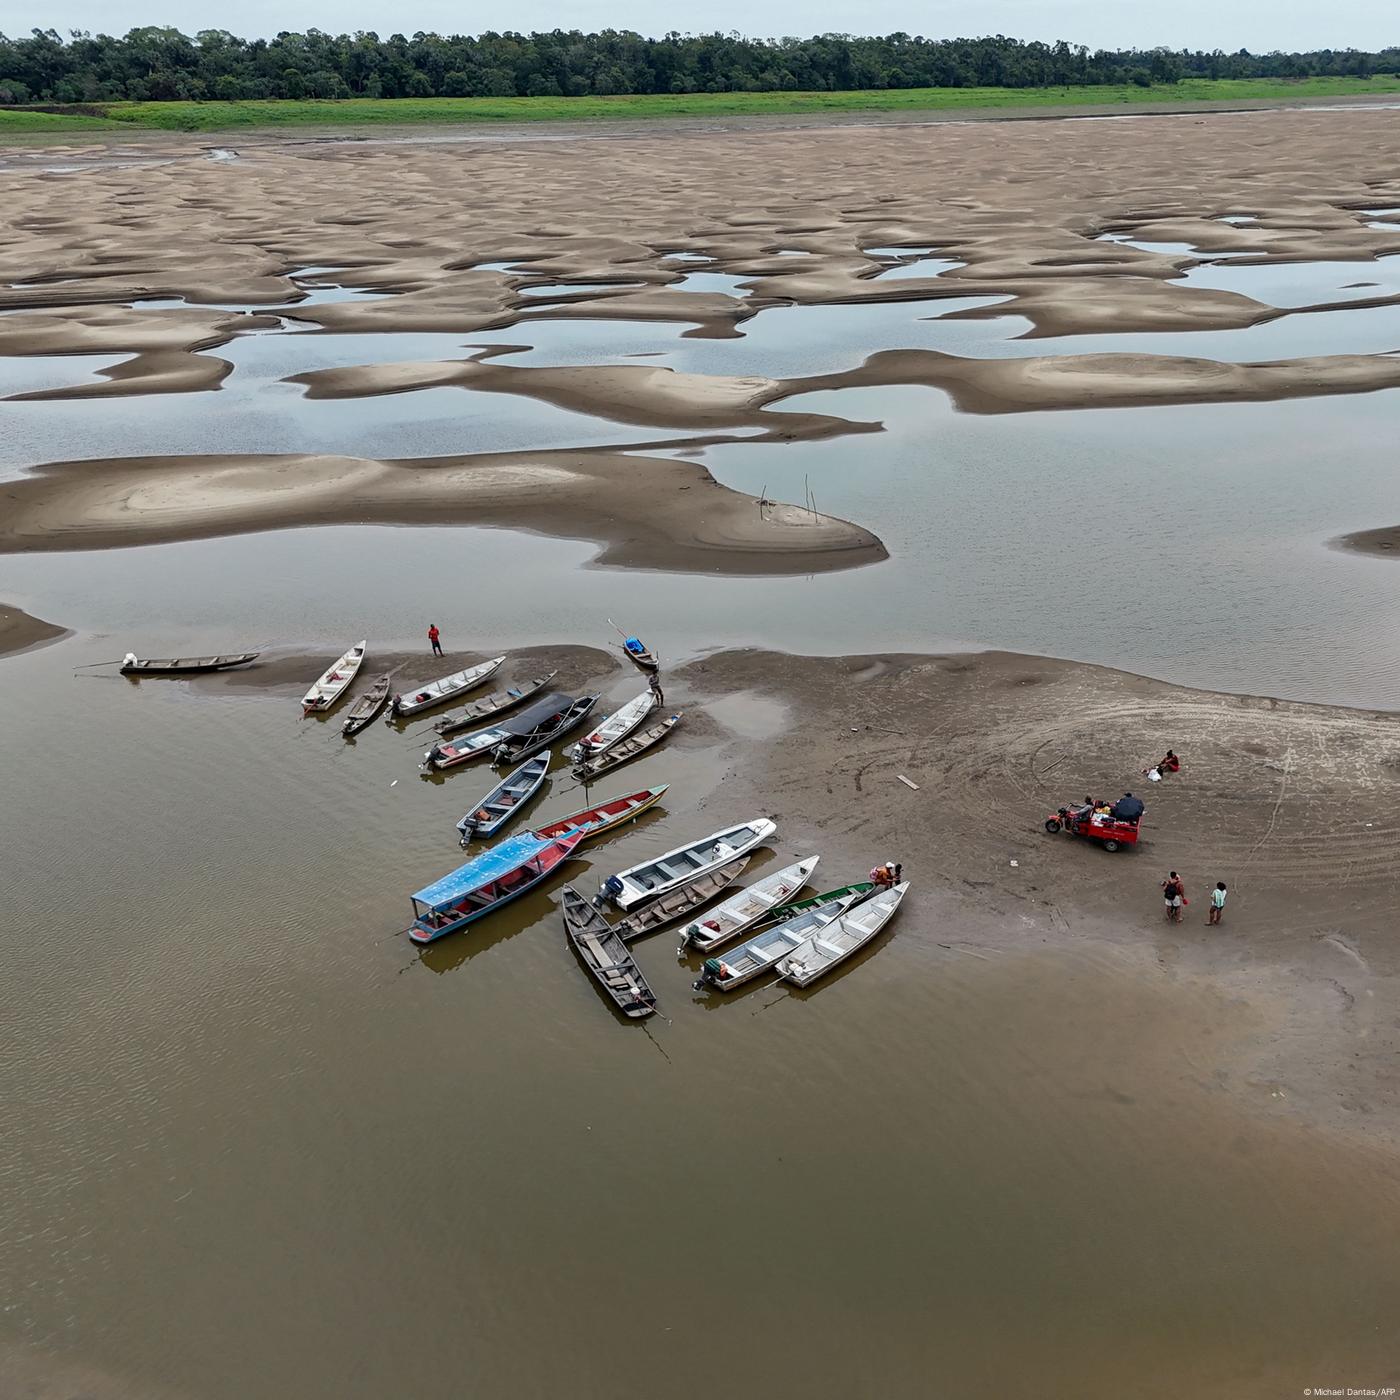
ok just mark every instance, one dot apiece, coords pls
pixel 88 665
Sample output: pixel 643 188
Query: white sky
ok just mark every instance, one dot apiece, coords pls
pixel 1258 25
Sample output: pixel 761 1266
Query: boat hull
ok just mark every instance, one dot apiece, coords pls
pixel 580 821
pixel 195 666
pixel 423 936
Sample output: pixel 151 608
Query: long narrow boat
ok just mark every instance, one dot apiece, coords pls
pixel 745 908
pixel 448 753
pixel 832 945
pixel 504 800
pixel 439 692
pixel 521 742
pixel 653 878
pixel 856 893
pixel 764 950
pixel 133 665
pixel 680 902
pixel 616 727
pixel 334 683
pixel 632 747
pixel 494 704
pixel 594 821
pixel 475 889
pixel 605 955
pixel 366 707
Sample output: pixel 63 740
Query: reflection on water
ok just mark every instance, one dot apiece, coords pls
pixel 254 1116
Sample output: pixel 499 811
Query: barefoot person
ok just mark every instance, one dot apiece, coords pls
pixel 433 641
pixel 1174 895
pixel 1217 903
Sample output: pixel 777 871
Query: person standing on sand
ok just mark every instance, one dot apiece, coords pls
pixel 1217 903
pixel 433 641
pixel 654 685
pixel 1174 894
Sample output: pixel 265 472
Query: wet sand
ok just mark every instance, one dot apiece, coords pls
pixel 1384 541
pixel 19 632
pixel 1019 207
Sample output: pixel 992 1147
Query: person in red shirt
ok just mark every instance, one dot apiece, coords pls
pixel 433 639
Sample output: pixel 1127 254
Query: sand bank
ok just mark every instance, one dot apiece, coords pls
pixel 20 632
pixel 1384 541
pixel 1288 804
pixel 644 512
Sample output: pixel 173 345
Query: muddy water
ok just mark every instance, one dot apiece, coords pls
pixel 256 1145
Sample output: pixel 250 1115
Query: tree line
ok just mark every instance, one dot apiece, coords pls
pixel 163 64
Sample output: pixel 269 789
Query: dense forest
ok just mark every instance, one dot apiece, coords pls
pixel 154 64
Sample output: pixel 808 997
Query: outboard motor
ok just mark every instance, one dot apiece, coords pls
pixel 612 887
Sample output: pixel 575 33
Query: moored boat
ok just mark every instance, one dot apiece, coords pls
pixel 653 878
pixel 627 749
pixel 504 801
pixel 334 683
pixel 830 946
pixel 594 821
pixel 640 656
pixel 765 950
pixel 505 872
pixel 853 894
pixel 606 956
pixel 616 727
pixel 448 753
pixel 743 909
pixel 366 706
pixel 680 901
pixel 532 731
pixel 133 665
pixel 498 702
pixel 439 692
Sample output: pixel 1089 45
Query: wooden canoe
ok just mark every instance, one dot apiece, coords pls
pixel 186 665
pixel 632 747
pixel 746 907
pixel 366 707
pixel 765 950
pixel 521 743
pixel 494 704
pixel 680 902
pixel 439 692
pixel 615 728
pixel 334 683
pixel 829 947
pixel 504 801
pixel 852 893
pixel 594 821
pixel 605 956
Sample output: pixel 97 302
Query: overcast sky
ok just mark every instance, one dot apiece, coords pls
pixel 1228 24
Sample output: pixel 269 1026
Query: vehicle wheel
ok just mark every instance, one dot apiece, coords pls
pixel 1052 826
pixel 1110 845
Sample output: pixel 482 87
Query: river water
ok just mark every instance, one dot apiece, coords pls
pixel 257 1146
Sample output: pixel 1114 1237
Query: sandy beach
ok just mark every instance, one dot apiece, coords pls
pixel 19 632
pixel 458 234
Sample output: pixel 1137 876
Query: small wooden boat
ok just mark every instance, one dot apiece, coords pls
pixel 473 890
pixel 439 692
pixel 681 901
pixel 822 951
pixel 857 892
pixel 522 741
pixel 448 753
pixel 133 665
pixel 632 747
pixel 765 950
pixel 594 821
pixel 366 707
pixel 653 878
pixel 605 955
pixel 336 681
pixel 616 727
pixel 642 657
pixel 495 704
pixel 504 800
pixel 745 908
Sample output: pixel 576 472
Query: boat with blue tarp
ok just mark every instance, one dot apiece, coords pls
pixel 508 870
